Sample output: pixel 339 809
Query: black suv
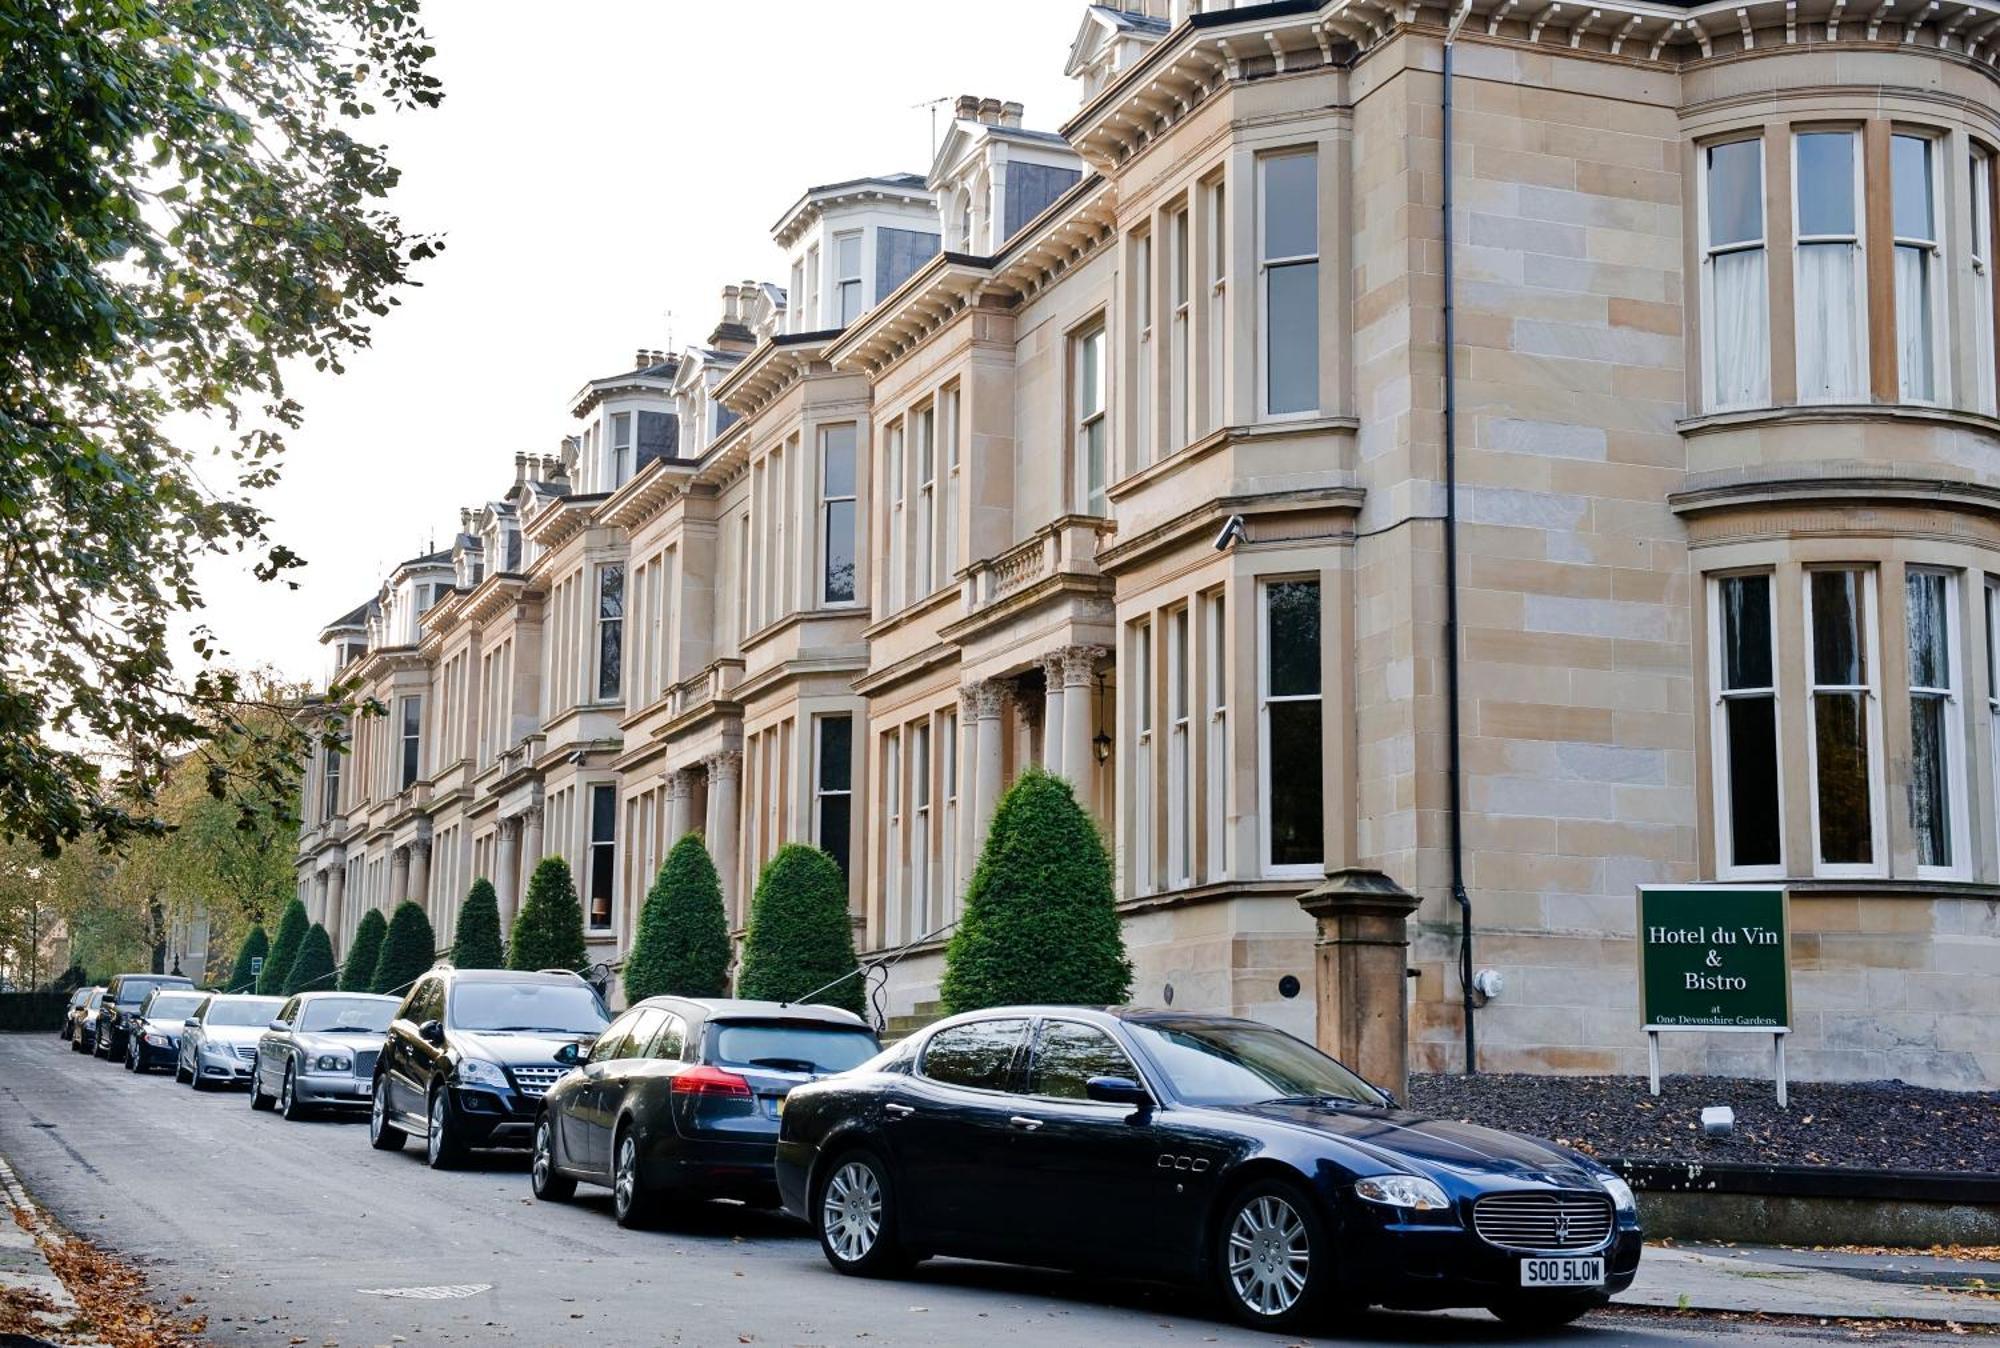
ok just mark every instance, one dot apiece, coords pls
pixel 470 1054
pixel 123 996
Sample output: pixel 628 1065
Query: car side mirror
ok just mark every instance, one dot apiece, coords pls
pixel 432 1031
pixel 1117 1091
pixel 278 1025
pixel 570 1054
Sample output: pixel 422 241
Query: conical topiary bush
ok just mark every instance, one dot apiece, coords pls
pixel 548 931
pixel 800 936
pixel 682 945
pixel 1041 922
pixel 256 946
pixel 476 942
pixel 284 949
pixel 409 947
pixel 312 971
pixel 358 973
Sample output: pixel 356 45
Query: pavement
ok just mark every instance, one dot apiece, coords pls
pixel 301 1234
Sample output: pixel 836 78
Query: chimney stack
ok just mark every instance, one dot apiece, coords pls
pixel 966 108
pixel 465 518
pixel 1010 114
pixel 520 469
pixel 989 111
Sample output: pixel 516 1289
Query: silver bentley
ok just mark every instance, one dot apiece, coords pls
pixel 319 1051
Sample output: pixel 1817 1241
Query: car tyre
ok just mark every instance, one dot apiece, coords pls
pixel 550 1185
pixel 855 1215
pixel 258 1100
pixel 632 1203
pixel 382 1134
pixel 132 1051
pixel 180 1072
pixel 1544 1313
pixel 289 1104
pixel 1273 1257
pixel 442 1149
pixel 76 1044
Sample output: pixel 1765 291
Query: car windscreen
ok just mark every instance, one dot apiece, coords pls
pixel 550 1008
pixel 346 1015
pixel 171 1006
pixel 1217 1063
pixel 96 1000
pixel 249 1011
pixel 131 993
pixel 793 1046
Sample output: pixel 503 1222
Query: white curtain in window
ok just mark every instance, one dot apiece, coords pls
pixel 1828 369
pixel 1913 322
pixel 1742 337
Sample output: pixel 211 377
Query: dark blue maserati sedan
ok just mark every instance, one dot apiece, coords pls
pixel 1172 1147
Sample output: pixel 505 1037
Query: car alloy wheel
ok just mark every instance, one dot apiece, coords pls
pixel 288 1097
pixel 382 1134
pixel 628 1199
pixel 851 1211
pixel 441 1149
pixel 1270 1256
pixel 548 1185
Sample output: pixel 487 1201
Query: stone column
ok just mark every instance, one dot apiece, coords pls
pixel 507 884
pixel 1361 966
pixel 680 797
pixel 1079 723
pixel 724 770
pixel 420 875
pixel 988 697
pixel 531 842
pixel 1054 746
pixel 968 794
pixel 336 905
pixel 399 876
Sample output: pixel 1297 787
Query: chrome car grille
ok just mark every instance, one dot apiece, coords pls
pixel 534 1082
pixel 364 1062
pixel 1560 1219
pixel 247 1052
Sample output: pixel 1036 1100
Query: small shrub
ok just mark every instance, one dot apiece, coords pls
pixel 476 942
pixel 548 931
pixel 358 973
pixel 312 971
pixel 255 946
pixel 408 948
pixel 682 945
pixel 800 936
pixel 284 949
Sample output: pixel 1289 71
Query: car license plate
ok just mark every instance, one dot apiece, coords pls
pixel 1587 1272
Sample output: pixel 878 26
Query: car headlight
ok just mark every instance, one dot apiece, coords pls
pixel 1403 1191
pixel 159 1041
pixel 1620 1191
pixel 479 1072
pixel 333 1062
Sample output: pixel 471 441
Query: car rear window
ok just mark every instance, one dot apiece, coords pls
pixel 793 1046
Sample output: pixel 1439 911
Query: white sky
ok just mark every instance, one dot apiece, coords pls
pixel 593 167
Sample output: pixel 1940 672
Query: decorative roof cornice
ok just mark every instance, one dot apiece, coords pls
pixel 646 493
pixel 899 188
pixel 562 519
pixel 493 596
pixel 769 370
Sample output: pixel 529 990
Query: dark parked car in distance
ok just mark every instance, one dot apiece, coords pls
pixel 1184 1147
pixel 320 1050
pixel 154 1035
pixel 79 1006
pixel 469 1055
pixel 680 1098
pixel 122 998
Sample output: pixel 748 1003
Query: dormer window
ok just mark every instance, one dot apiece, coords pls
pixel 621 449
pixel 847 276
pixel 812 284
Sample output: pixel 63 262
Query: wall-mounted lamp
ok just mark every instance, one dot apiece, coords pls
pixel 1100 743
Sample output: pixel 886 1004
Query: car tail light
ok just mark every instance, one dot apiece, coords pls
pixel 710 1081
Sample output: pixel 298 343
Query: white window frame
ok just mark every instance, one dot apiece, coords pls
pixel 1180 352
pixel 816 321
pixel 1142 440
pixel 827 500
pixel 821 791
pixel 1090 339
pixel 1933 268
pixel 1142 761
pixel 951 409
pixel 1721 784
pixel 600 623
pixel 1180 750
pixel 1264 701
pixel 1215 644
pixel 948 832
pixel 1953 696
pixel 921 899
pixel 1871 638
pixel 1800 241
pixel 848 288
pixel 1710 401
pixel 924 549
pixel 591 846
pixel 1216 326
pixel 1979 248
pixel 893 461
pixel 1265 265
pixel 621 454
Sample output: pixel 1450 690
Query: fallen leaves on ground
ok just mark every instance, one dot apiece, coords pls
pixel 110 1295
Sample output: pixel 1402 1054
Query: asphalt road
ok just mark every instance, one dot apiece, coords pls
pixel 301 1234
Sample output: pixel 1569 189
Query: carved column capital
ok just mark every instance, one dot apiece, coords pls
pixel 1052 667
pixel 986 698
pixel 678 786
pixel 724 766
pixel 1079 665
pixel 531 816
pixel 420 850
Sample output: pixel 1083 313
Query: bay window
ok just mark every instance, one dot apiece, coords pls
pixel 920 829
pixel 412 741
pixel 610 629
pixel 621 451
pixel 1827 269
pixel 1293 785
pixel 1738 364
pixel 837 507
pixel 892 858
pixel 948 402
pixel 1142 758
pixel 1914 195
pixel 1980 242
pixel 833 788
pixel 1845 744
pixel 1087 402
pixel 948 827
pixel 603 855
pixel 847 276
pixel 1215 325
pixel 330 783
pixel 1936 719
pixel 1288 266
pixel 1743 638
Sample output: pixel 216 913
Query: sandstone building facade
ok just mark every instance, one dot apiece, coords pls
pixel 1123 450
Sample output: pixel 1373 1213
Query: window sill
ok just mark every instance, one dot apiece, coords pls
pixel 1733 418
pixel 1878 887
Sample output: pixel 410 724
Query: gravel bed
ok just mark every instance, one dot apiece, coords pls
pixel 1865 1125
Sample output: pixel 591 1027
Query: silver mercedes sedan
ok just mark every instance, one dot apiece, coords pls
pixel 219 1039
pixel 320 1050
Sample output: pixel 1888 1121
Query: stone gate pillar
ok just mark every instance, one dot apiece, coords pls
pixel 1361 966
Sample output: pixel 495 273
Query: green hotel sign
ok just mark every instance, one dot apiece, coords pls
pixel 1715 957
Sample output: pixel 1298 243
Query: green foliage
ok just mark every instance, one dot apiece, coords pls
pixel 1040 923
pixel 548 931
pixel 312 971
pixel 800 936
pixel 284 949
pixel 255 946
pixel 476 943
pixel 682 945
pixel 192 212
pixel 408 949
pixel 358 973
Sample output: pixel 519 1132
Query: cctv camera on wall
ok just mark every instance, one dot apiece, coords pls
pixel 1233 531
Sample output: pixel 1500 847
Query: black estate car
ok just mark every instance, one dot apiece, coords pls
pixel 122 998
pixel 1171 1146
pixel 681 1096
pixel 469 1055
pixel 153 1037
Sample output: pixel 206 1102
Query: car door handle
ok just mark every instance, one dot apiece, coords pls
pixel 1024 1123
pixel 896 1111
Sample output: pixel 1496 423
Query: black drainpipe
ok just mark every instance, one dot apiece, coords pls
pixel 1458 893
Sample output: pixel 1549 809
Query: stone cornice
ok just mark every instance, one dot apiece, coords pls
pixel 1876 488
pixel 1202 521
pixel 773 367
pixel 646 493
pixel 561 520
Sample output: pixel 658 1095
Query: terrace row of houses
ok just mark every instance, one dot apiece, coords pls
pixel 1121 450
